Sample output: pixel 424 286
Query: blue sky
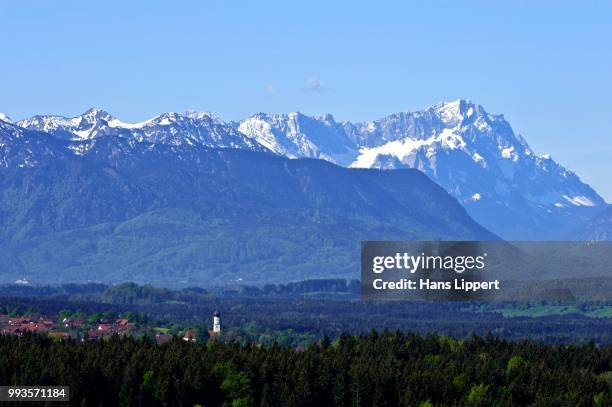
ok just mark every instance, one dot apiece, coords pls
pixel 545 65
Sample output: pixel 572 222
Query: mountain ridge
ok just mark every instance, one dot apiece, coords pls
pixel 474 155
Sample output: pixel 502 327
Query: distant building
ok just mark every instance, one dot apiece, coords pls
pixel 19 325
pixel 122 322
pixel 73 323
pixel 190 336
pixel 216 328
pixel 105 327
pixel 217 322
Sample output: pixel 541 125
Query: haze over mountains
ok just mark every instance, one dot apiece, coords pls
pixel 473 154
pixel 599 227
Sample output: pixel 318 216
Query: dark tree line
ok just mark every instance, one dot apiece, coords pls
pixel 266 318
pixel 387 369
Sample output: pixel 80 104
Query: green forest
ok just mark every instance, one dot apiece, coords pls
pixel 375 369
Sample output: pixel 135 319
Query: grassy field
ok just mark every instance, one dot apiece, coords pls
pixel 539 310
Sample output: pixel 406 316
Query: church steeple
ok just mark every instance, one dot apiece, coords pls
pixel 216 322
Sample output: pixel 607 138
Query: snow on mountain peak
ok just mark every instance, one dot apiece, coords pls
pixel 403 150
pixel 327 118
pixel 196 115
pixel 5 118
pixel 95 112
pixel 457 110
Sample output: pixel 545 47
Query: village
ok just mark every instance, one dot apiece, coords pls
pixel 82 329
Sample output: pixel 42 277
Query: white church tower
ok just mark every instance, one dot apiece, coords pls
pixel 216 322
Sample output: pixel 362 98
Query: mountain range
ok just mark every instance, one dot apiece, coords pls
pixel 109 207
pixel 188 199
pixel 475 155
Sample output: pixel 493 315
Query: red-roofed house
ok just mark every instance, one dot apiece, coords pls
pixel 190 336
pixel 105 327
pixel 122 322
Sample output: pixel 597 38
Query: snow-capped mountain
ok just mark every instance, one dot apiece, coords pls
pixel 473 154
pixel 295 135
pixel 190 128
pixel 5 118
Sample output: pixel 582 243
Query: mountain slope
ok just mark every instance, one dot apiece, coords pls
pixel 23 148
pixel 179 214
pixel 599 227
pixel 295 135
